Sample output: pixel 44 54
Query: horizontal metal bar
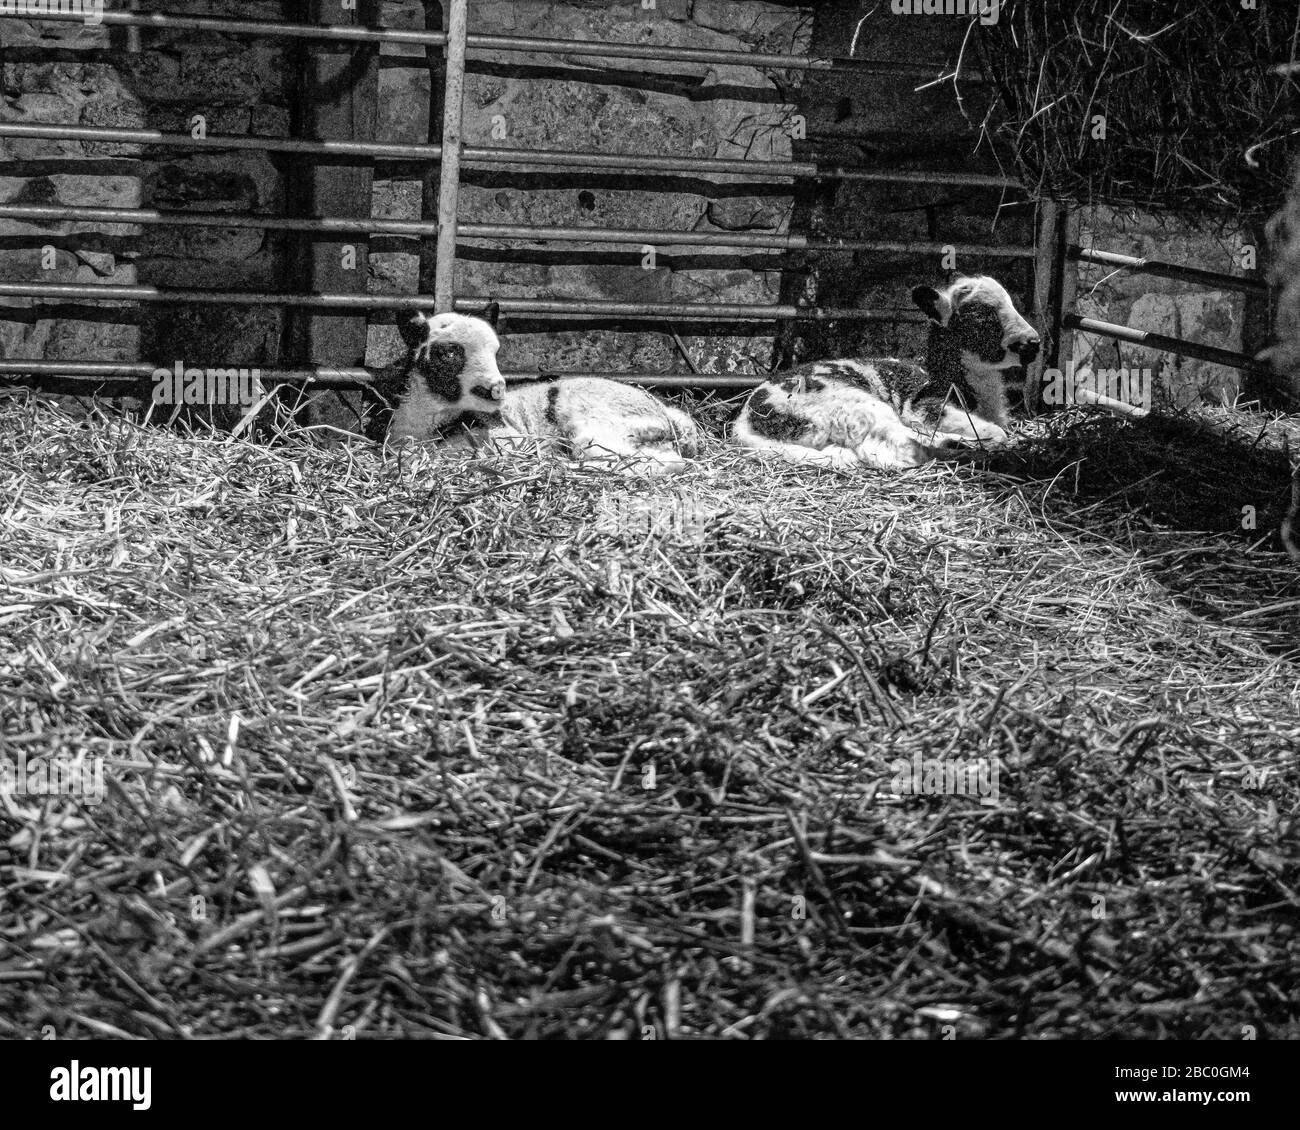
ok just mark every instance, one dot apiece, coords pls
pixel 1165 344
pixel 120 371
pixel 918 176
pixel 579 307
pixel 490 156
pixel 775 240
pixel 119 136
pixel 100 372
pixel 52 213
pixel 660 53
pixel 654 380
pixel 719 312
pixel 632 162
pixel 1110 404
pixel 1162 269
pixel 109 292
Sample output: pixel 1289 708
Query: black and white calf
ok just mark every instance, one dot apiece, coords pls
pixel 889 413
pixel 449 390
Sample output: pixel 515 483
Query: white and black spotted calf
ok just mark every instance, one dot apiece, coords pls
pixel 449 390
pixel 889 413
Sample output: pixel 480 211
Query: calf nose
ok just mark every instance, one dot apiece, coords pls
pixel 492 389
pixel 1026 350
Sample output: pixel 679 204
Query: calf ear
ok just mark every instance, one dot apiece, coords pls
pixel 937 307
pixel 414 330
pixel 492 315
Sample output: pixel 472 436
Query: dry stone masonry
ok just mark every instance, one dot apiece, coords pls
pixel 89 75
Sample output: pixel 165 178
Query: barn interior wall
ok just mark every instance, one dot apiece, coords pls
pixel 868 119
pixel 613 106
pixel 57 74
pixel 903 123
pixel 1166 306
pixel 72 73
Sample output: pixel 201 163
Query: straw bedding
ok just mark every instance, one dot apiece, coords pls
pixel 485 747
pixel 1198 99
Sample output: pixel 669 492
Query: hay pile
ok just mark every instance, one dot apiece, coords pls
pixel 493 748
pixel 1284 276
pixel 1199 119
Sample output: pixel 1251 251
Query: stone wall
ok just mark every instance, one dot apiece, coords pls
pixel 56 74
pixel 75 74
pixel 1167 306
pixel 866 119
pixel 71 73
pixel 611 106
pixel 895 122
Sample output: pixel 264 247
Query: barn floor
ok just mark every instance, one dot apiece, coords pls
pixel 496 748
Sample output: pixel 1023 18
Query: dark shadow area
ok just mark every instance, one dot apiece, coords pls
pixel 686 86
pixel 564 323
pixel 1174 489
pixel 538 180
pixel 102 313
pixel 73 166
pixel 873 120
pixel 567 255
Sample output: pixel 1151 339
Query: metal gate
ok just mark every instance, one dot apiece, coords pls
pixel 1053 251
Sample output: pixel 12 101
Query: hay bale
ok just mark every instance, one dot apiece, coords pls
pixel 1199 118
pixel 1284 275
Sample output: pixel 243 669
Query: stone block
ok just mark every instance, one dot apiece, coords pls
pixel 754 21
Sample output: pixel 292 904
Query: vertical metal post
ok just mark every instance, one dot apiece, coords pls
pixel 444 291
pixel 132 33
pixel 1054 287
pixel 433 56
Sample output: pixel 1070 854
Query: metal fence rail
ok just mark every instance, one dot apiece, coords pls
pixel 1166 344
pixel 1180 347
pixel 576 307
pixel 1158 268
pixel 579 48
pixel 49 213
pixel 94 373
pixel 451 153
pixel 493 155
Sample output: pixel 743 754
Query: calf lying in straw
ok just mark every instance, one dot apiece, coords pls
pixel 890 413
pixel 450 391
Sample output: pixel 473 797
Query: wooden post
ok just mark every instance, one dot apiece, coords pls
pixel 444 292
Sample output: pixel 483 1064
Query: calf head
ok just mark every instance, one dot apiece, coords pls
pixel 455 356
pixel 975 317
pixel 450 369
